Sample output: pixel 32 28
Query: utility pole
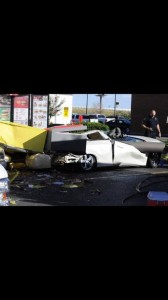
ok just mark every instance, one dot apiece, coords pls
pixel 101 97
pixel 87 104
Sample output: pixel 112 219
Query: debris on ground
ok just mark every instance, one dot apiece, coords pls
pixel 96 191
pixel 74 183
pixel 12 202
pixel 16 166
pixel 36 186
pixel 71 186
pixel 45 175
pixel 58 182
pixel 12 177
pixel 38 161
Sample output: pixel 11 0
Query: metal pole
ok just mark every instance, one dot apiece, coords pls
pixel 115 104
pixel 101 103
pixel 30 123
pixel 101 97
pixel 87 104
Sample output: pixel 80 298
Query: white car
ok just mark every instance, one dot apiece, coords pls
pixel 101 118
pixel 99 150
pixel 4 187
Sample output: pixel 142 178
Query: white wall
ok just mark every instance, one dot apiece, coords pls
pixel 64 116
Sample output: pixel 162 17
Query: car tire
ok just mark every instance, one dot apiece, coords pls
pixel 153 160
pixel 87 162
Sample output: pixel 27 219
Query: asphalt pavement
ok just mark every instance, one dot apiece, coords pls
pixel 103 187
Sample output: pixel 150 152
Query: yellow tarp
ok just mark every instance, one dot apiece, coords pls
pixel 22 136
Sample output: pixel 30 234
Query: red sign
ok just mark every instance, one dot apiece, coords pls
pixel 21 102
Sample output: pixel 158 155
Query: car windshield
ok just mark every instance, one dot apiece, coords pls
pixel 97 135
pixel 92 116
pixel 85 116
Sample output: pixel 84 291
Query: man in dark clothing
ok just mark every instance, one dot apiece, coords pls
pixel 151 125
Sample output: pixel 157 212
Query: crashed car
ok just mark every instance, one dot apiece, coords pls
pixel 153 148
pixel 90 149
pixel 100 150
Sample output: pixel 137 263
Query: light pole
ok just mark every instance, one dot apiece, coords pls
pixel 101 97
pixel 115 103
pixel 87 104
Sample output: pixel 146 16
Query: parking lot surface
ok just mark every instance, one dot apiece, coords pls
pixel 70 187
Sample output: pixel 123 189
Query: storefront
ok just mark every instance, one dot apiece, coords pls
pixel 36 110
pixel 5 107
pixel 142 104
pixel 27 109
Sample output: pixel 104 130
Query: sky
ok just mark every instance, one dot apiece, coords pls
pixel 79 100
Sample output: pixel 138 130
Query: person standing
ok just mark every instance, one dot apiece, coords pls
pixel 151 125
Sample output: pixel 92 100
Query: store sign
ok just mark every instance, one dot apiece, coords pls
pixel 21 110
pixel 66 112
pixel 5 107
pixel 39 111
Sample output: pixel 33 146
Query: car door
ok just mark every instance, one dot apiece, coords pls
pixel 102 150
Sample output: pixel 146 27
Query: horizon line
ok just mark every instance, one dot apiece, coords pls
pixel 109 108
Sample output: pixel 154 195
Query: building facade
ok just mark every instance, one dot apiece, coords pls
pixel 142 104
pixel 34 110
pixel 63 108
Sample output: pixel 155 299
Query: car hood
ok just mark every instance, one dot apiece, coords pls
pixel 145 138
pixel 144 144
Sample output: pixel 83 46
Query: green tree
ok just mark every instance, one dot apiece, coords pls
pixel 55 105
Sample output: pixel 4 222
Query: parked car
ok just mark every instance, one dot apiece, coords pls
pixel 84 118
pixel 93 118
pixel 112 117
pixel 101 118
pixel 96 149
pixel 120 122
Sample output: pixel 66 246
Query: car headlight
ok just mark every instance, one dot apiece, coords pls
pixel 4 185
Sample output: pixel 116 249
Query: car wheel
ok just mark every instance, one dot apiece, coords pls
pixel 87 162
pixel 153 160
